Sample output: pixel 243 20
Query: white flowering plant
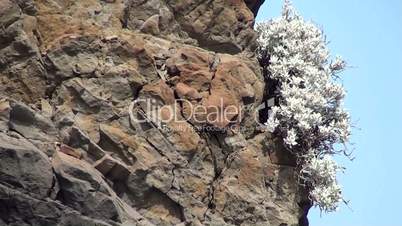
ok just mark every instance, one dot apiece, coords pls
pixel 308 111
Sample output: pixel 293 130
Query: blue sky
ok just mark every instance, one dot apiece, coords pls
pixel 368 34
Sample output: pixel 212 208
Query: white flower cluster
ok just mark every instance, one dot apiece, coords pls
pixel 321 173
pixel 308 114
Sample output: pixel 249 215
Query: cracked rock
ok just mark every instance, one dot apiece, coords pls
pixel 80 144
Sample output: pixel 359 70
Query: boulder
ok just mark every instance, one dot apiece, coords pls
pixel 83 189
pixel 31 124
pixel 17 208
pixel 25 168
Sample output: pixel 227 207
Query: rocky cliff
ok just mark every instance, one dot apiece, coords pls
pixel 80 145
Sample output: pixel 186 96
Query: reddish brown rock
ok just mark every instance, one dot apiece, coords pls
pixel 158 91
pixel 224 83
pixel 80 72
pixel 69 151
pixel 251 179
pixel 185 91
pixel 112 168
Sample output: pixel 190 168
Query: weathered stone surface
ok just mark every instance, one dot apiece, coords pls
pixel 17 208
pixel 30 124
pixel 23 167
pixel 22 75
pixel 69 150
pixel 221 26
pixel 83 189
pixel 221 84
pixel 112 168
pixel 249 189
pixel 4 114
pixel 80 144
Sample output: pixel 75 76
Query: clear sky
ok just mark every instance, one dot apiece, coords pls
pixel 368 34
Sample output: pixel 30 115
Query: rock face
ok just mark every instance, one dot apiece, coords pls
pixel 218 25
pixel 137 113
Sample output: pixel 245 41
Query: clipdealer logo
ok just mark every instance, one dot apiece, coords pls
pixel 217 117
